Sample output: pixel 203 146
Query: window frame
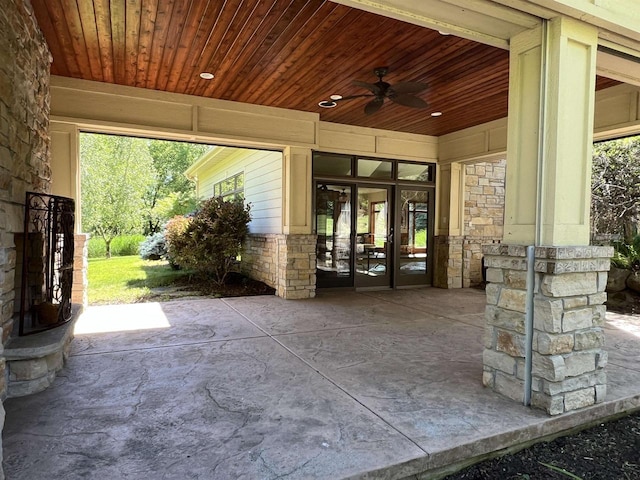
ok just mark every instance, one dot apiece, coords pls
pixel 237 193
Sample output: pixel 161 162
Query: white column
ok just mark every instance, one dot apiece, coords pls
pixel 297 191
pixel 551 105
pixel 65 164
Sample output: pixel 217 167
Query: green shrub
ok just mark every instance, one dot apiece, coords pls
pixel 122 246
pixel 154 247
pixel 126 245
pixel 627 255
pixel 173 231
pixel 96 248
pixel 210 242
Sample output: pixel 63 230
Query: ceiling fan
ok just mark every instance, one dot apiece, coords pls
pixel 402 93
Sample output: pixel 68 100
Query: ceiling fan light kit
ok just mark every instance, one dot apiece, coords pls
pixel 402 93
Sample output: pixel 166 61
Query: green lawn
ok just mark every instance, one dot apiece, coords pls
pixel 127 279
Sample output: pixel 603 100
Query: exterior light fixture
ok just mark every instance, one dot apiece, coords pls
pixel 206 75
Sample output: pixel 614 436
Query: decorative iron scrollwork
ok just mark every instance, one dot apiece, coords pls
pixel 47 262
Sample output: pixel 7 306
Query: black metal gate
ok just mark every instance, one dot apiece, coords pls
pixel 47 262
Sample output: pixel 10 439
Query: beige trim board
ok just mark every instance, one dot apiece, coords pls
pixel 480 20
pixel 139 111
pixel 618 68
pixel 483 141
pixel 617 114
pixel 339 138
pixel 618 20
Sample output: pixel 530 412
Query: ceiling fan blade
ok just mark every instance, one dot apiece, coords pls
pixel 409 87
pixel 409 101
pixel 354 96
pixel 373 106
pixel 372 87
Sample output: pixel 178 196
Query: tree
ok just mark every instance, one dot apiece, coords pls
pixel 615 188
pixel 116 173
pixel 171 192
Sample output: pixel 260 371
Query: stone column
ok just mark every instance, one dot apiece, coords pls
pixel 550 136
pixel 568 358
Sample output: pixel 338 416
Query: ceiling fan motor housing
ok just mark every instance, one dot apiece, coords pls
pixel 380 71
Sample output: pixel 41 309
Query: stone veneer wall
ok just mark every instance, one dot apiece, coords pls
pixel 80 289
pixel 24 136
pixel 448 261
pixel 284 262
pixel 568 358
pixel 483 215
pixel 260 258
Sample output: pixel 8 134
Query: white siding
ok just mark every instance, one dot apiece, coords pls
pixel 262 185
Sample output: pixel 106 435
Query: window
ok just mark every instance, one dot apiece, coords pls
pixel 386 170
pixel 416 172
pixel 231 188
pixel 375 168
pixel 332 164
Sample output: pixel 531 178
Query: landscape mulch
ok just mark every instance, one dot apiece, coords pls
pixel 236 285
pixel 608 451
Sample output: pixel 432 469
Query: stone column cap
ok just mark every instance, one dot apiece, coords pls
pixel 574 252
pixel 550 252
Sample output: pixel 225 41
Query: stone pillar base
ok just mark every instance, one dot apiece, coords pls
pixel 80 289
pixel 297 267
pixel 448 262
pixel 284 262
pixel 568 358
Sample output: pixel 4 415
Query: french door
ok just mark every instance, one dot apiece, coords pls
pixel 414 238
pixel 374 236
pixel 369 237
pixel 334 227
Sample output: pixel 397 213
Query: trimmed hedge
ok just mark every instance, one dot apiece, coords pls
pixel 122 246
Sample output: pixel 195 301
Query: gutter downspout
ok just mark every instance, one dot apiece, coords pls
pixel 529 305
pixel 528 325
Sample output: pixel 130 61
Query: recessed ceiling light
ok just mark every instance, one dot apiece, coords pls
pixel 443 33
pixel 327 104
pixel 206 75
pixel 336 97
pixel 436 114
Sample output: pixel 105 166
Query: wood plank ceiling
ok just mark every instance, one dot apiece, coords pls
pixel 282 53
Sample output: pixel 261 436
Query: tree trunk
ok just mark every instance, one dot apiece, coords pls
pixel 630 230
pixel 108 245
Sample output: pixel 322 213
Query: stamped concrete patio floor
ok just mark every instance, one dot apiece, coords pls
pixel 347 385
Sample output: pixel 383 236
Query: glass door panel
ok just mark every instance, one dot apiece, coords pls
pixel 415 236
pixel 373 237
pixel 334 265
